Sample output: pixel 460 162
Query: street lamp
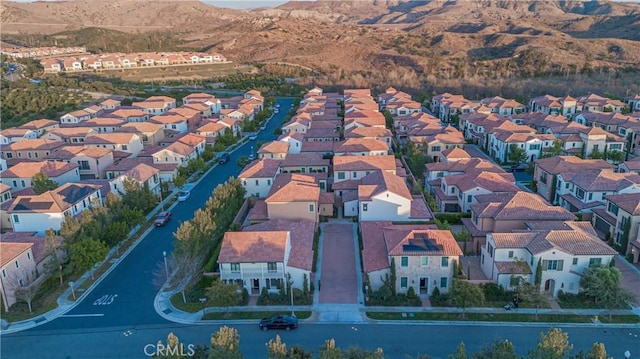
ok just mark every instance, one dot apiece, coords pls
pixel 166 267
pixel 291 293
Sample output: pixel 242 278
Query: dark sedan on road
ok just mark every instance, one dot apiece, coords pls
pixel 162 218
pixel 285 322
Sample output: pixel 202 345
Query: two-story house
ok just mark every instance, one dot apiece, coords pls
pixel 274 150
pixel 142 174
pixel 620 221
pixel 41 126
pixel 129 114
pixel 293 196
pixel 355 167
pixel 150 133
pixel 423 256
pixel 29 150
pixel 19 176
pixel 360 147
pixel 258 177
pixel 172 122
pixel 118 141
pixel 176 153
pixel 460 191
pixel 75 117
pixel 37 213
pixel 10 135
pixel 91 161
pixel 18 268
pixel 584 190
pixel 69 135
pixel 564 251
pixel 371 133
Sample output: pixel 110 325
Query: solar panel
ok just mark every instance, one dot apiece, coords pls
pixel 421 243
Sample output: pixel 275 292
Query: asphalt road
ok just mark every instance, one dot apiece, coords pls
pixel 117 319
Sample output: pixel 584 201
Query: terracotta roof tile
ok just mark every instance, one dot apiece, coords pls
pixel 291 187
pixel 519 205
pixel 381 181
pixel 10 251
pixel 263 168
pixel 274 147
pixel 304 159
pixel 251 247
pixel 363 163
pixel 28 169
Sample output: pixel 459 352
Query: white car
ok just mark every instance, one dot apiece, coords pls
pixel 183 196
pixel 263 127
pixel 252 157
pixel 253 137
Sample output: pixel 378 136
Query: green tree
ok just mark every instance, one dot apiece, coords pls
pixel 538 277
pixel 463 294
pixel 242 161
pixel 225 343
pixel 596 154
pixel 388 119
pixel 461 352
pixel 597 351
pixel 555 149
pixel 464 237
pixel 552 345
pixel 41 183
pixel 516 154
pixel 84 253
pixel 531 293
pixel 615 156
pixel 602 284
pixel 223 295
pixel 276 349
pixel 393 278
pixel 498 349
pixel 138 196
pixel 329 350
pixel 56 258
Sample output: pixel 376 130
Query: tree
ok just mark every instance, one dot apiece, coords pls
pixel 538 277
pixel 41 183
pixel 461 352
pixel 276 349
pixel 52 247
pixel 24 285
pixel 516 154
pixel 138 196
pixel 553 345
pixel 388 119
pixel 393 278
pixel 243 161
pixel 498 349
pixel 464 237
pixel 555 149
pixel 602 284
pixel 223 295
pixel 597 351
pixel 596 154
pixel 179 181
pixel 84 253
pixel 463 294
pixel 531 293
pixel 615 156
pixel 225 343
pixel 329 350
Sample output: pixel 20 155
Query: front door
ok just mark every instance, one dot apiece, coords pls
pixel 255 286
pixel 424 286
pixel 549 286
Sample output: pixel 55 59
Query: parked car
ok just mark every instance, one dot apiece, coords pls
pixel 253 137
pixel 162 218
pixel 519 168
pixel 224 158
pixel 285 322
pixel 276 111
pixel 263 127
pixel 252 157
pixel 183 196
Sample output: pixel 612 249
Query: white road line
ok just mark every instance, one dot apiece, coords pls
pixel 81 315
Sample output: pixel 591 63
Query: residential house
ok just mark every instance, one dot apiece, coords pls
pixel 5 197
pixel 273 150
pixel 230 124
pixel 19 176
pixel 153 108
pixel 29 150
pixel 142 174
pixel 167 171
pixel 316 134
pixel 110 104
pixel 171 122
pixel 595 102
pixel 435 171
pixel 205 111
pixel 502 106
pixel 92 161
pixel 10 135
pixel 104 124
pixel 37 213
pixel 564 251
pixel 293 196
pixel 501 143
pixel 546 171
pixel 360 147
pixel 129 114
pixel 294 140
pixel 370 133
pixel 18 268
pixel 508 211
pixel 584 190
pixel 75 117
pixel 41 126
pixel 177 153
pixel 192 116
pixel 40 253
pixel 196 141
pixel 459 191
pixel 633 103
pixel 449 107
pixel 630 166
pixel 69 135
pixel 551 105
pixel 422 255
pixel 355 167
pixel 151 133
pixel 619 220
pixel 258 177
pixel 442 140
pixel 119 141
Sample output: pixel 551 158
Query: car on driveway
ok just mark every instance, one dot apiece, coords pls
pixel 162 218
pixel 286 322
pixel 183 196
pixel 224 158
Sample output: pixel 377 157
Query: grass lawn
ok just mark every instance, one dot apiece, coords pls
pixel 249 315
pixel 40 306
pixel 505 317
pixel 188 307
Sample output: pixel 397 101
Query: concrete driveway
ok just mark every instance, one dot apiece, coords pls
pixel 630 277
pixel 338 282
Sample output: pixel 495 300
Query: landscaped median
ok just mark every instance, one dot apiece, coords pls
pixel 506 317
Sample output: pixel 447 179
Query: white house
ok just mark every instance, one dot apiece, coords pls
pixel 19 176
pixel 37 213
pixel 142 174
pixel 258 176
pixel 564 252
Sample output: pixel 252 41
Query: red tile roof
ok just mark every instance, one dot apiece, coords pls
pixel 252 247
pixel 291 187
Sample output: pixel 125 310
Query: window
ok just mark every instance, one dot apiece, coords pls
pixel 365 207
pixel 435 148
pixel 543 177
pixel 273 283
pixel 404 261
pixel 9 155
pixel 424 261
pixel 235 267
pixel 355 174
pixel 575 262
pixel 17 264
pixel 28 256
pixel 403 282
pixel 22 183
pixel 490 249
pixel 445 262
pixel 595 262
pixel 341 175
pixel 615 147
pixel 469 198
pixel 268 182
pixel 15 183
pixel 124 147
pixel 16 219
pixel 534 146
pixel 553 265
pixel 611 207
pixel 510 254
pixel 272 267
pixel 311 207
pixel 257 182
pixel 84 165
pixel 443 282
pixel 453 190
pixel 590 196
pixel 579 193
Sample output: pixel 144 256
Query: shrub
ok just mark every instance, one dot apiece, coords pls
pixel 494 292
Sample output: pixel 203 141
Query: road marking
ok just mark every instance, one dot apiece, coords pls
pixel 82 315
pixel 105 299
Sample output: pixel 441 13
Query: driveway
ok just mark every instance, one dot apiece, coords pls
pixel 338 272
pixel 630 277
